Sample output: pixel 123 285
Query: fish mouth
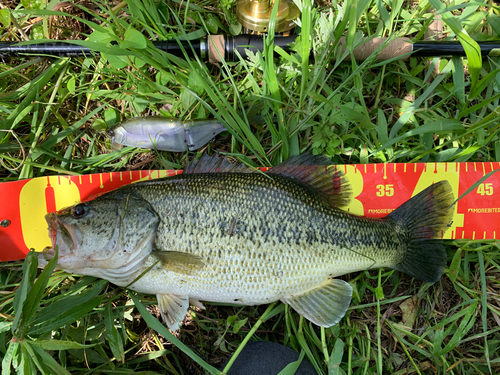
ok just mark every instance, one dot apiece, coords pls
pixel 65 236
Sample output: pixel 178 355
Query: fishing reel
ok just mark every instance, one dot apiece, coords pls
pixel 255 15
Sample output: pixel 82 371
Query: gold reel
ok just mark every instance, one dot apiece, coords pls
pixel 256 14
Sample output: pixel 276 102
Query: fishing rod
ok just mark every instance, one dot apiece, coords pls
pixel 256 17
pixel 216 48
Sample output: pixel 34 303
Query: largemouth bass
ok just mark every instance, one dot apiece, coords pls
pixel 225 233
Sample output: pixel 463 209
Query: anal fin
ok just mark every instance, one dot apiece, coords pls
pixel 324 305
pixel 173 309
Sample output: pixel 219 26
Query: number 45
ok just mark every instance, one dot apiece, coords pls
pixel 485 189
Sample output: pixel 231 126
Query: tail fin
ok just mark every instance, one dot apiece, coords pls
pixel 420 223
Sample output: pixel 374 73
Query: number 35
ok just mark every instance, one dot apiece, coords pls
pixel 385 190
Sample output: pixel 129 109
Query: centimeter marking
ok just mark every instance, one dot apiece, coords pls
pixel 425 166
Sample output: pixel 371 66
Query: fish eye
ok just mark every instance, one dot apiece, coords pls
pixel 79 210
pixel 110 132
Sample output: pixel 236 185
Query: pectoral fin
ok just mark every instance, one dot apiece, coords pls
pixel 173 309
pixel 175 261
pixel 324 305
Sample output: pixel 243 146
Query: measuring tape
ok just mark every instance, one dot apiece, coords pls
pixel 378 189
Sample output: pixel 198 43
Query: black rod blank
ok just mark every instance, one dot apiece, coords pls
pixel 445 48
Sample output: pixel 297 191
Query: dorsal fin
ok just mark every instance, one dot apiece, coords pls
pixel 215 164
pixel 318 172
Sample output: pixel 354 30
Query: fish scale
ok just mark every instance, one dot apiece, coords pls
pixel 223 234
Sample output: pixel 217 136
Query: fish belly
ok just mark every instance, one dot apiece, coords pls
pixel 250 275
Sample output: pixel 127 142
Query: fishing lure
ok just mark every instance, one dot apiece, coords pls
pixel 165 134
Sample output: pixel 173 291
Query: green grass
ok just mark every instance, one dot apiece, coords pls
pixel 52 116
